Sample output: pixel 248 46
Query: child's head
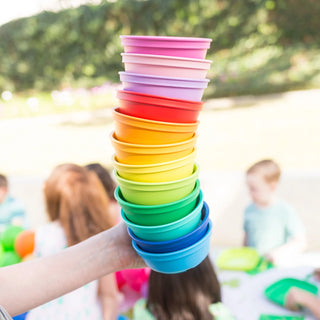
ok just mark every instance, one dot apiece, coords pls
pixel 105 178
pixel 76 197
pixel 185 295
pixel 262 180
pixel 3 187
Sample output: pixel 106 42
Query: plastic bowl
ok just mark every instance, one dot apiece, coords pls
pixel 158 108
pixel 180 260
pixel 168 46
pixel 146 193
pixel 165 66
pixel 178 243
pixel 169 231
pixel 158 172
pixel 158 214
pixel 143 131
pixel 178 88
pixel 147 153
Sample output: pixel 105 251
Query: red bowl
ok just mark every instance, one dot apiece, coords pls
pixel 158 108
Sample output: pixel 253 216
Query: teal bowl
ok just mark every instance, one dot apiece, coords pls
pixel 168 231
pixel 158 214
pixel 180 260
pixel 147 193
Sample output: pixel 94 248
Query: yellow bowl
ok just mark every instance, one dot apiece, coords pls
pixel 158 172
pixel 143 131
pixel 130 153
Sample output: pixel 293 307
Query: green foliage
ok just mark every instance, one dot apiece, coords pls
pixel 82 47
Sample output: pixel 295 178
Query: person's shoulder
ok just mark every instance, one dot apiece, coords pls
pixel 15 204
pixel 251 208
pixel 286 208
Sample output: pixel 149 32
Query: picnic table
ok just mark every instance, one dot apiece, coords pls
pixel 244 295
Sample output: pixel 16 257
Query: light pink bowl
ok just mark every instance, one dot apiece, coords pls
pixel 165 66
pixel 167 46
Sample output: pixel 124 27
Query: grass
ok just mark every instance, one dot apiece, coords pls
pixel 32 104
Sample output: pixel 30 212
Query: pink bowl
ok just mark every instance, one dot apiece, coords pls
pixel 167 46
pixel 165 65
pixel 178 88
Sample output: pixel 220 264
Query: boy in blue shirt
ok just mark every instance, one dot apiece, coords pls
pixel 11 210
pixel 271 226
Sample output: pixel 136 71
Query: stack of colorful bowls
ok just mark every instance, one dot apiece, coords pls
pixel 154 141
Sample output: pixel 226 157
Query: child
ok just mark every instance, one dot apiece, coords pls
pixel 194 294
pixel 78 207
pixel 109 186
pixel 131 283
pixel 271 226
pixel 11 210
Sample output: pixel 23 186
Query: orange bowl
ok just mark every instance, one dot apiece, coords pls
pixel 130 153
pixel 143 131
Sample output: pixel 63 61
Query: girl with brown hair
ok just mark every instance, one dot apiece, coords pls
pixel 191 295
pixel 78 208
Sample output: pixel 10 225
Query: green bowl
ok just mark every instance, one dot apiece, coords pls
pixel 168 231
pixel 159 214
pixel 144 193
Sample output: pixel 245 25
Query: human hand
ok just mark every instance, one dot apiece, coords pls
pixel 296 299
pixel 316 274
pixel 128 258
pixel 271 256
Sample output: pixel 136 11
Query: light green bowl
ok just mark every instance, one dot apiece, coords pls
pixel 168 231
pixel 157 193
pixel 160 214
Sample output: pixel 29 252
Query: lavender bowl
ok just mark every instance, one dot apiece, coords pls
pixel 178 88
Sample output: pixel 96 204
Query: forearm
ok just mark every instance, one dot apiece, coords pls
pixel 110 308
pixel 313 304
pixel 27 285
pixel 294 246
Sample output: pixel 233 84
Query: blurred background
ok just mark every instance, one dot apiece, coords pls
pixel 59 75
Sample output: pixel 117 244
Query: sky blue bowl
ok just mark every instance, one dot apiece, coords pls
pixel 178 261
pixel 178 243
pixel 169 231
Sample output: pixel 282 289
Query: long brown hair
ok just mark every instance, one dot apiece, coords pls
pixel 184 296
pixel 76 198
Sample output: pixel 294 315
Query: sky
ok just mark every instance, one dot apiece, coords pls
pixel 13 9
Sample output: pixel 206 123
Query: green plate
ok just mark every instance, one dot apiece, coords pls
pixel 278 291
pixel 238 259
pixel 271 317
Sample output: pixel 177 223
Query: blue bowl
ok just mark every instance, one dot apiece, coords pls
pixel 177 261
pixel 178 243
pixel 169 231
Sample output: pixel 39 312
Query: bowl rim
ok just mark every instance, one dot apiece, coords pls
pixel 204 220
pixel 169 38
pixel 173 101
pixel 194 174
pixel 126 166
pixel 117 113
pixel 182 252
pixel 114 139
pixel 148 76
pixel 162 57
pixel 167 226
pixel 117 192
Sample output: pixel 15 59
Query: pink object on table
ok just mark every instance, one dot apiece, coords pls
pixel 168 46
pixel 178 88
pixel 166 66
